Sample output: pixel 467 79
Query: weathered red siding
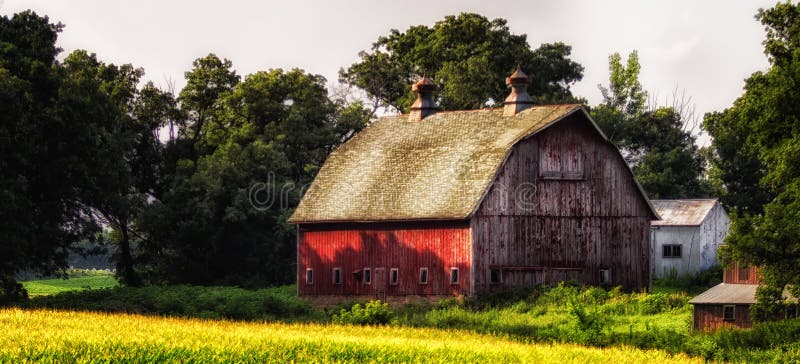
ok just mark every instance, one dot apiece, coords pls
pixel 710 317
pixel 439 246
pixel 736 274
pixel 538 227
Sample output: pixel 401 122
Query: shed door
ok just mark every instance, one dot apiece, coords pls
pixel 380 283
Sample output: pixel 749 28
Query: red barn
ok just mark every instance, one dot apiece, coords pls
pixel 468 202
pixel 727 305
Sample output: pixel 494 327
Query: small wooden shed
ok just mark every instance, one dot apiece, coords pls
pixel 727 305
pixel 686 239
pixel 469 202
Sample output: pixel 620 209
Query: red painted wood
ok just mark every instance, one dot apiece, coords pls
pixel 737 274
pixel 405 246
pixel 710 317
pixel 571 224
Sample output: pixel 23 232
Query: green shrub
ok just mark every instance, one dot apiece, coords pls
pixel 588 324
pixel 372 313
pixel 188 301
pixel 504 298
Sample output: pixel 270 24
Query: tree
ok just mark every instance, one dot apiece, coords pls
pixel 41 172
pixel 469 57
pixel 755 156
pixel 663 155
pixel 222 220
pixel 210 78
pixel 123 165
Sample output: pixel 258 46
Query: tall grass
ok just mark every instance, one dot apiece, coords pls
pixel 60 336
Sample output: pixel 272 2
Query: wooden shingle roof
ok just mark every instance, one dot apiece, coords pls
pixel 437 168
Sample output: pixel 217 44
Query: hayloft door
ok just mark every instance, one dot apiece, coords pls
pixel 380 283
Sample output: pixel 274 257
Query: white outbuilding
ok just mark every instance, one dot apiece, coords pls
pixel 686 239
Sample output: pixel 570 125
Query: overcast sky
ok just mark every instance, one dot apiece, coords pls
pixel 703 48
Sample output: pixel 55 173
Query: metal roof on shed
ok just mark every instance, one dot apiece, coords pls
pixel 690 212
pixel 725 293
pixel 728 293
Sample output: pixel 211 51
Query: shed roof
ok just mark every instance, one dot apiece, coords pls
pixel 435 169
pixel 689 212
pixel 726 293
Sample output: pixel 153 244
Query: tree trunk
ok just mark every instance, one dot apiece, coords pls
pixel 125 272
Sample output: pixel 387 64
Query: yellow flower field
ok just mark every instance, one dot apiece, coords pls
pixel 81 337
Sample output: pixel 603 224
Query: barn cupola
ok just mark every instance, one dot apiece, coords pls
pixel 519 99
pixel 424 105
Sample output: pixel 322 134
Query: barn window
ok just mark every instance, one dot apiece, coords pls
pixel 394 276
pixel 729 313
pixel 671 251
pixel 561 157
pixel 337 275
pixel 744 273
pixel 605 276
pixel 367 276
pixel 453 275
pixel 494 276
pixel 423 276
pixel 309 276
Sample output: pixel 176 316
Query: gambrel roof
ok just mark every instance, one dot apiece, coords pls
pixel 435 169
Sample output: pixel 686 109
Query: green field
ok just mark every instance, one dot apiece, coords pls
pixel 85 337
pixel 77 280
pixel 564 323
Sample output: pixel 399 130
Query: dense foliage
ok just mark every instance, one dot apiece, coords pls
pixel 194 188
pixel 62 136
pixel 240 161
pixel 187 301
pixel 755 157
pixel 468 56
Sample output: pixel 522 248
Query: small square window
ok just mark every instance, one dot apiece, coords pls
pixel 494 276
pixel 423 276
pixel 337 275
pixel 367 276
pixel 453 275
pixel 671 250
pixel 729 313
pixel 605 276
pixel 309 276
pixel 394 276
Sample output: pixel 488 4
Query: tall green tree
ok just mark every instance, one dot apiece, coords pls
pixel 124 161
pixel 468 56
pixel 39 166
pixel 756 157
pixel 662 153
pixel 223 218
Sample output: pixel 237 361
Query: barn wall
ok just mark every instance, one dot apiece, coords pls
pixel 717 226
pixel 540 230
pixel 736 274
pixel 710 317
pixel 690 238
pixel 405 246
pixel 699 244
